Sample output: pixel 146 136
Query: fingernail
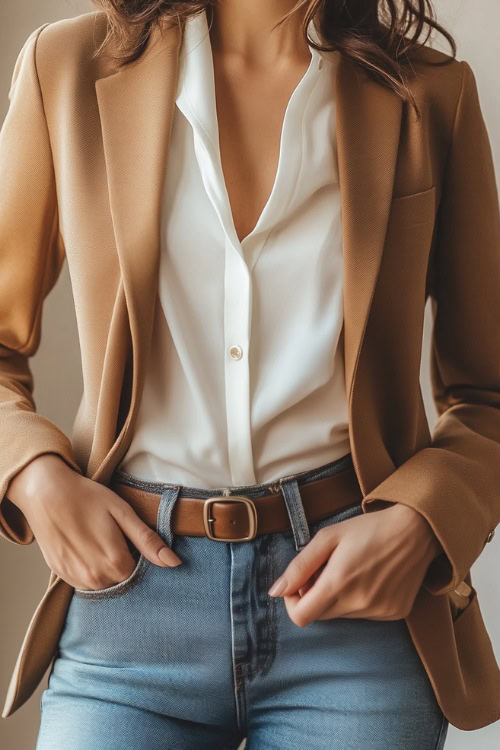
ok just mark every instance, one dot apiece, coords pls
pixel 170 558
pixel 278 586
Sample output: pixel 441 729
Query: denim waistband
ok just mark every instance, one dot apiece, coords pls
pixel 344 463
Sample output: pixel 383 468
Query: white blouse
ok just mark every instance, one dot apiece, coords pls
pixel 245 382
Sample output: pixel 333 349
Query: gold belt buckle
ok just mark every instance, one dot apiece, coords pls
pixel 252 516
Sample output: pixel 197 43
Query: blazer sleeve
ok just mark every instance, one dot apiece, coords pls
pixel 31 257
pixel 455 481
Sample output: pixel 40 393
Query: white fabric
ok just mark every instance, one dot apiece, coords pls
pixel 207 419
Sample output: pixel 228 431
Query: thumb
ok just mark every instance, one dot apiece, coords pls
pixel 305 564
pixel 142 536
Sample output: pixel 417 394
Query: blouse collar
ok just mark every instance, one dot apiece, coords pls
pixel 196 90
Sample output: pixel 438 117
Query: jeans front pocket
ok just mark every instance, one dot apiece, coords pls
pixel 120 588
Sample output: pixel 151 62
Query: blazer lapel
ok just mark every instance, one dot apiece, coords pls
pixel 368 130
pixel 136 106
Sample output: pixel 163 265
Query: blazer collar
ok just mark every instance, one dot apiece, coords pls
pixel 136 106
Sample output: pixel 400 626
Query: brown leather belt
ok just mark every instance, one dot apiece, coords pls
pixel 235 518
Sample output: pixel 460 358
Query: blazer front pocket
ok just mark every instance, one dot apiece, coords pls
pixel 413 210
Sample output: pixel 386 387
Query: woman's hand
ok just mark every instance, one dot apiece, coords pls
pixel 369 566
pixel 80 524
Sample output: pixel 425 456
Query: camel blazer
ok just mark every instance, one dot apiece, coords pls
pixel 83 154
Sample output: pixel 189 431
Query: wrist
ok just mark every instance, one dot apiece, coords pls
pixel 36 479
pixel 435 548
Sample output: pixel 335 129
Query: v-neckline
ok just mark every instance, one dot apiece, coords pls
pixel 197 101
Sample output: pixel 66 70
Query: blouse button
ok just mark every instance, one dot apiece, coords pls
pixel 235 352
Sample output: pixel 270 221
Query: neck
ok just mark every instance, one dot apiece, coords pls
pixel 242 30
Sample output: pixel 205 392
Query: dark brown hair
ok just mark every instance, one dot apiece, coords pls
pixel 380 36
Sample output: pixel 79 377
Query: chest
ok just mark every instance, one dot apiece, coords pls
pixel 250 111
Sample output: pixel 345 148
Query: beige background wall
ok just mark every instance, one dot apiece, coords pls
pixel 56 366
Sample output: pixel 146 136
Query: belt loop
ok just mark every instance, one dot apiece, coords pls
pixel 300 527
pixel 164 515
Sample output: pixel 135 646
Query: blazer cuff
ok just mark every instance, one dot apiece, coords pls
pixel 452 507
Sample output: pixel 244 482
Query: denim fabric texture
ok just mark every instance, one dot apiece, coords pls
pixel 200 656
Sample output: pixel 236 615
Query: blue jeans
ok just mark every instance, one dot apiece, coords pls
pixel 200 656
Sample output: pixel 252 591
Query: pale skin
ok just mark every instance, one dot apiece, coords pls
pixel 369 566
